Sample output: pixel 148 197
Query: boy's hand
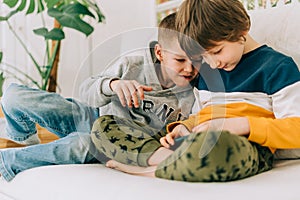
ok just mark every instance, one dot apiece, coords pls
pixel 237 125
pixel 128 91
pixel 178 131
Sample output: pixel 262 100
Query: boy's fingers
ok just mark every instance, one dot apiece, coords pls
pixel 130 93
pixel 135 100
pixel 147 88
pixel 185 132
pixel 129 90
pixel 163 142
pixel 141 88
pixel 169 138
pixel 121 97
pixel 128 97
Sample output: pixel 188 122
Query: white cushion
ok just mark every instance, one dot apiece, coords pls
pixel 95 182
pixel 278 27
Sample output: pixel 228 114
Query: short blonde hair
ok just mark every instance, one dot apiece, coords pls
pixel 211 21
pixel 167 31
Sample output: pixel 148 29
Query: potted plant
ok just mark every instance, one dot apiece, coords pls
pixel 67 14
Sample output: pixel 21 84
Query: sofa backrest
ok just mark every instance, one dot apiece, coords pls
pixel 278 27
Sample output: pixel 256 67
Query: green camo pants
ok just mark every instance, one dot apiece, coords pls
pixel 202 157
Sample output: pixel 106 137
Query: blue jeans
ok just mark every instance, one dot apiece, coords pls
pixel 69 119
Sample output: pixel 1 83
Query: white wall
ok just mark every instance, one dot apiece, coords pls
pixel 13 53
pixel 125 28
pixel 76 61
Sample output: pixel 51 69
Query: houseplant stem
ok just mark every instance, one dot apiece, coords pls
pixel 24 46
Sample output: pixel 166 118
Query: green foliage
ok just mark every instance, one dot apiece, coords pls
pixel 71 14
pixel 5 18
pixel 68 13
pixel 2 78
pixel 54 34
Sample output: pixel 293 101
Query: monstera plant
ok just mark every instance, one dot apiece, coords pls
pixel 73 14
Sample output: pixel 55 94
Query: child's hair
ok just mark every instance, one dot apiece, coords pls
pixel 167 30
pixel 211 21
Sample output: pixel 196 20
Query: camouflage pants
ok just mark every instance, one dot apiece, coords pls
pixel 202 157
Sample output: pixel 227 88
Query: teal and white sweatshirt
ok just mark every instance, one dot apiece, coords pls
pixel 160 106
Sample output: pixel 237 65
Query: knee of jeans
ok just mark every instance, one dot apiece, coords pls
pixel 82 139
pixel 85 139
pixel 9 100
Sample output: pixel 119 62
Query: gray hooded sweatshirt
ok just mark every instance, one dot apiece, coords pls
pixel 160 106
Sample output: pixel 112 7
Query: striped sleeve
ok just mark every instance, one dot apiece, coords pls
pixel 284 130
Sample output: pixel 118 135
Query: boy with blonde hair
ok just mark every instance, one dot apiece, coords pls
pixel 132 138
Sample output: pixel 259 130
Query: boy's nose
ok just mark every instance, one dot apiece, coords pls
pixel 209 59
pixel 215 63
pixel 218 64
pixel 188 67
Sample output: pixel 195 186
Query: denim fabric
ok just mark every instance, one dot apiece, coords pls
pixel 69 119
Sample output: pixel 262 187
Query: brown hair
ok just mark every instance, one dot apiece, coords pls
pixel 210 21
pixel 167 29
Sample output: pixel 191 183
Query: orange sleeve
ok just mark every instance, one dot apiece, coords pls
pixel 190 123
pixel 275 133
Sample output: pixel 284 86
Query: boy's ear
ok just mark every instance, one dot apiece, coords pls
pixel 244 33
pixel 158 52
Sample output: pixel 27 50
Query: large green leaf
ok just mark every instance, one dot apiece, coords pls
pixel 54 34
pixel 1 56
pixel 40 6
pixel 71 18
pixel 22 5
pixel 69 13
pixel 95 8
pixel 76 9
pixel 31 7
pixel 51 3
pixel 11 3
pixel 40 31
pixel 2 79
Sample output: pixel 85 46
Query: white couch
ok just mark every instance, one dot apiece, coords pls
pixel 278 27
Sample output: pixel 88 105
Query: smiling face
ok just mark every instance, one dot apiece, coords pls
pixel 225 55
pixel 176 67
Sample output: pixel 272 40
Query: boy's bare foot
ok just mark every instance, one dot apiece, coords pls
pixel 135 170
